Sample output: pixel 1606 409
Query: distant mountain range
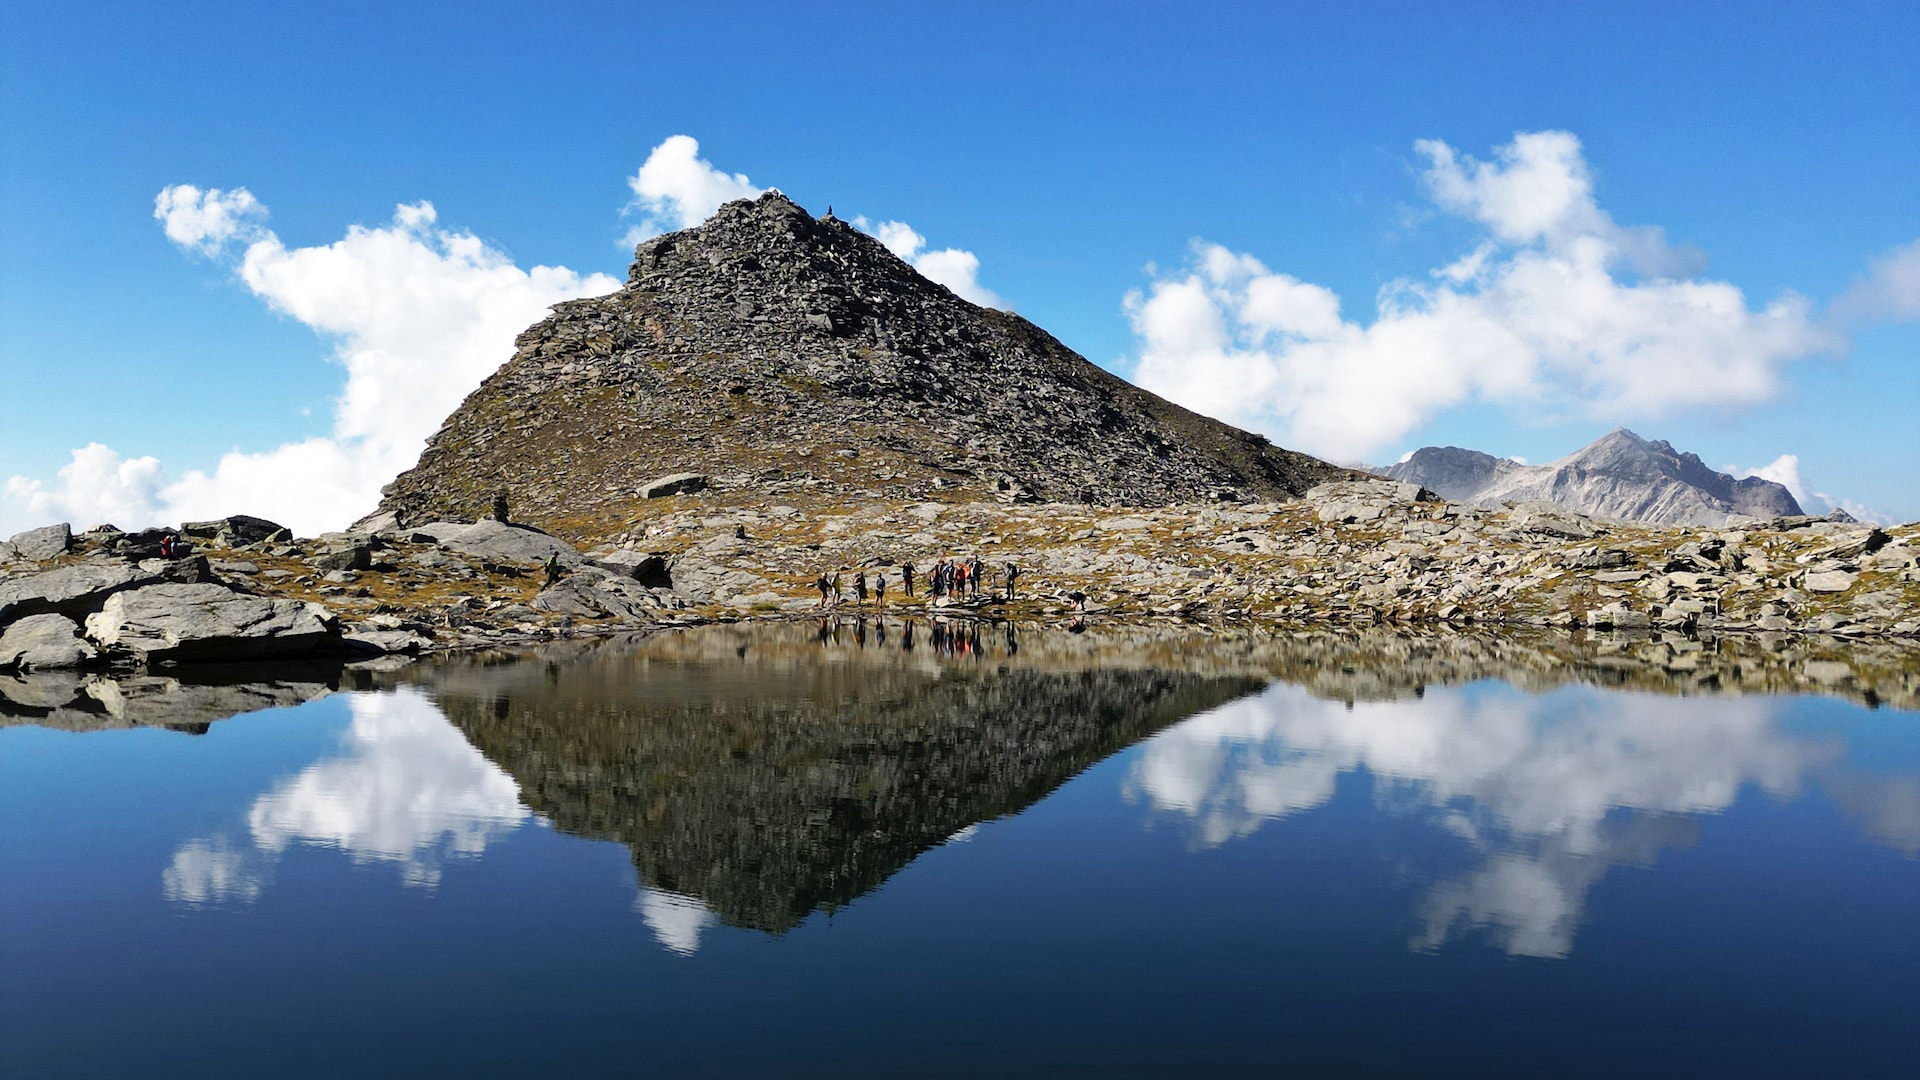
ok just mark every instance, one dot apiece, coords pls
pixel 1619 476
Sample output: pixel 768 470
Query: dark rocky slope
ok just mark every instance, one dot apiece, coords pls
pixel 788 355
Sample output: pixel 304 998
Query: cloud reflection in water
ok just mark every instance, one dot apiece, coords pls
pixel 1552 791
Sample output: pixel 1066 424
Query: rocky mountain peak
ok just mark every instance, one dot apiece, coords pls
pixel 1619 476
pixel 783 355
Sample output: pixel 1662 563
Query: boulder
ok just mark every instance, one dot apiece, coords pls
pixel 211 622
pixel 648 570
pixel 1829 581
pixel 70 590
pixel 44 643
pixel 676 484
pixel 45 542
pixel 496 540
pixel 237 530
pixel 351 557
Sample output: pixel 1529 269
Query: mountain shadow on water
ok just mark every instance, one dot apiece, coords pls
pixel 770 788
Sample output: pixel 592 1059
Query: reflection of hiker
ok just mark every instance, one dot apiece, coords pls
pixel 906 578
pixel 553 569
pixel 1013 642
pixel 906 637
pixel 1013 575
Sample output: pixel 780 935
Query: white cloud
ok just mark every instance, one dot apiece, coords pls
pixel 419 316
pixel 956 269
pixel 1785 471
pixel 677 189
pixel 1891 289
pixel 207 221
pixel 1537 316
pixel 98 487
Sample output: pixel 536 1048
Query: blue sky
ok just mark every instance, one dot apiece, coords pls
pixel 1136 178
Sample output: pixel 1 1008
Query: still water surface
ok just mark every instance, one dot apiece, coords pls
pixel 798 852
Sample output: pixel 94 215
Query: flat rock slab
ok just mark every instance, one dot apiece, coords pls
pixel 676 484
pixel 211 622
pixel 42 543
pixel 494 540
pixel 44 643
pixel 1830 581
pixel 73 591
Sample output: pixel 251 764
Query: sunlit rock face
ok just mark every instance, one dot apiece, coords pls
pixel 1548 791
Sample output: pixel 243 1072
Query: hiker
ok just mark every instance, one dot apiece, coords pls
pixel 500 508
pixel 880 589
pixel 166 546
pixel 1013 575
pixel 823 585
pixel 906 578
pixel 960 579
pixel 860 590
pixel 553 569
pixel 836 588
pixel 975 571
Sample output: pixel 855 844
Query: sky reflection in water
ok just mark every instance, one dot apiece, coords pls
pixel 1492 815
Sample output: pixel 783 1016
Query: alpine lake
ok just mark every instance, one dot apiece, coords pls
pixel 883 848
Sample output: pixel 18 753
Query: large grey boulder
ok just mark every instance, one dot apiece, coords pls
pixel 45 542
pixel 44 643
pixel 72 591
pixel 648 570
pixel 496 540
pixel 211 622
pixel 238 530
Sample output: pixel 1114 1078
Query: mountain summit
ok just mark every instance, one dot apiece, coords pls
pixel 787 355
pixel 1619 476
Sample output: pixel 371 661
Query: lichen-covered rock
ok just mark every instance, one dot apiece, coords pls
pixel 676 484
pixel 211 622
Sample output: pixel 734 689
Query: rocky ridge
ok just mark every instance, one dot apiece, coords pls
pixel 1618 477
pixel 775 353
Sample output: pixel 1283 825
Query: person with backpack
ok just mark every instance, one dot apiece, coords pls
pixel 906 578
pixel 860 588
pixel 1013 575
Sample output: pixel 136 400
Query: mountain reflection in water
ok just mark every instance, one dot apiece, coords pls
pixel 759 774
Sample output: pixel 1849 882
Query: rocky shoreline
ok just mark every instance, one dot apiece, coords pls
pixel 1351 554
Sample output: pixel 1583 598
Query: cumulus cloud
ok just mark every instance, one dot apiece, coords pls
pixel 97 487
pixel 1891 289
pixel 418 315
pixel 1785 471
pixel 956 269
pixel 676 188
pixel 1545 312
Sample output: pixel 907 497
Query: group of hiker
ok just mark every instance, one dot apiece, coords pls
pixel 956 579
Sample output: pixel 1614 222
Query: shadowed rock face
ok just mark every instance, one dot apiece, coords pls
pixel 1618 476
pixel 775 784
pixel 769 348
